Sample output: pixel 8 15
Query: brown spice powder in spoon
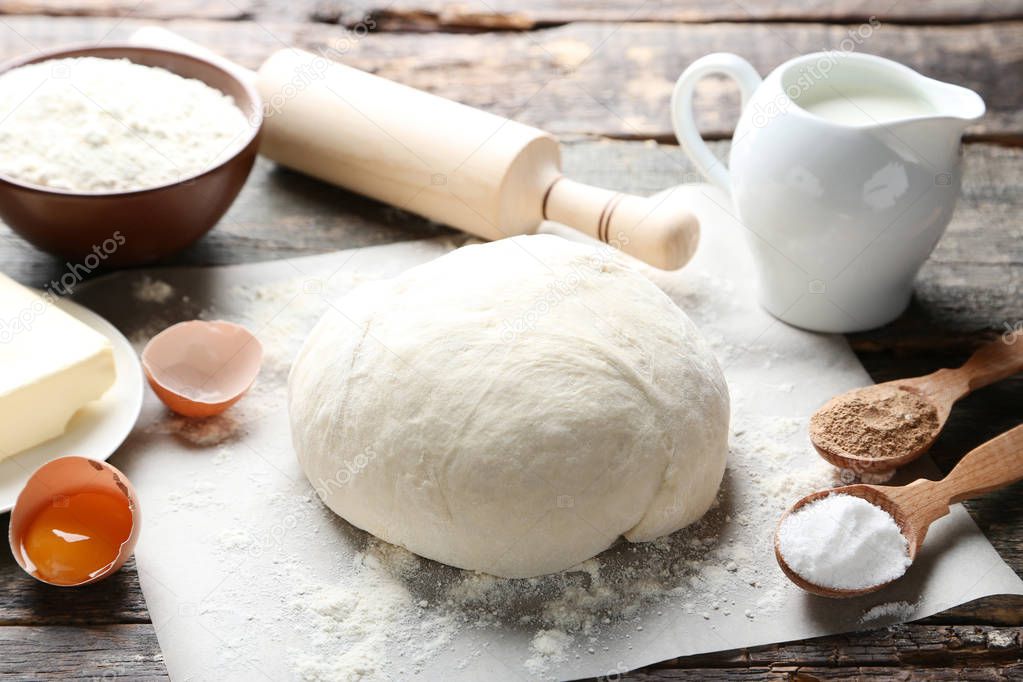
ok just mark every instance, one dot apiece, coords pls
pixel 877 421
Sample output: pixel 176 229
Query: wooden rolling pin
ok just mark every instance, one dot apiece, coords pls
pixel 481 173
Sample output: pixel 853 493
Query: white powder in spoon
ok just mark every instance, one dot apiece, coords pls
pixel 843 542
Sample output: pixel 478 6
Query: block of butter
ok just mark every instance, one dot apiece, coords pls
pixel 51 365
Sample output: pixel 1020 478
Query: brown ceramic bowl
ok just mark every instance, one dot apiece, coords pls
pixel 136 227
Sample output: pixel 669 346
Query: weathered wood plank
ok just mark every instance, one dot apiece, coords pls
pixel 434 15
pixel 25 601
pixel 814 673
pixel 998 610
pixel 142 9
pixel 128 652
pixel 605 79
pixel 449 15
pixel 903 645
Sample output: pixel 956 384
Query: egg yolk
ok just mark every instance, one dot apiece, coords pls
pixel 76 536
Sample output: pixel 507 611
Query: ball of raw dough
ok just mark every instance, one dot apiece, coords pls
pixel 513 408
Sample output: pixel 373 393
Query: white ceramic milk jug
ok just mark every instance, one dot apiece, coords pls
pixel 844 169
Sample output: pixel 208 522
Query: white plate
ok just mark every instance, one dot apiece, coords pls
pixel 98 429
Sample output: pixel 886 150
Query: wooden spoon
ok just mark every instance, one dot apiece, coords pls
pixel 992 362
pixel 993 465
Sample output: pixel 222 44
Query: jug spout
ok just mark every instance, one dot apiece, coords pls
pixel 955 102
pixel 933 136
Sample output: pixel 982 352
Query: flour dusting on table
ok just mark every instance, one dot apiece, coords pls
pixel 148 290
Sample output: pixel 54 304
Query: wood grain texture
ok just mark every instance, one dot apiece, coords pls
pixel 141 9
pixel 1004 610
pixel 93 652
pixel 518 15
pixel 800 673
pixel 902 645
pixel 128 651
pixel 602 79
pixel 24 601
pixel 448 15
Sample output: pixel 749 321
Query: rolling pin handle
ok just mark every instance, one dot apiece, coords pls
pixel 658 231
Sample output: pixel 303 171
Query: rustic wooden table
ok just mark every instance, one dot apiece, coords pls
pixel 599 73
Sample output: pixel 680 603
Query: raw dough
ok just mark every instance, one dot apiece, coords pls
pixel 512 407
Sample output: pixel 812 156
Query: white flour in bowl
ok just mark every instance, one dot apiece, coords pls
pixel 94 125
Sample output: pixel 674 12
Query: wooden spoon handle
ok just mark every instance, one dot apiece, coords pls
pixel 993 465
pixel 993 362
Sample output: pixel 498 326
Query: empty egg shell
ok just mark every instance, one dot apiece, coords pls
pixel 52 492
pixel 200 368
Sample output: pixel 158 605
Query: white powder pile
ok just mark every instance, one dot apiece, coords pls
pixel 897 611
pixel 844 542
pixel 368 625
pixel 95 125
pixel 548 646
pixel 149 290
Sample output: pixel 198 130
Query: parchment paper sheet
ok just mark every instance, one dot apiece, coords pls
pixel 218 607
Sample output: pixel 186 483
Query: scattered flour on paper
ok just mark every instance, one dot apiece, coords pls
pixel 548 646
pixel 148 290
pixel 895 611
pixel 386 612
pixel 234 540
pixel 223 455
pixel 200 495
pixel 367 626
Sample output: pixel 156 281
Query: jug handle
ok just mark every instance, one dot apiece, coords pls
pixel 686 131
